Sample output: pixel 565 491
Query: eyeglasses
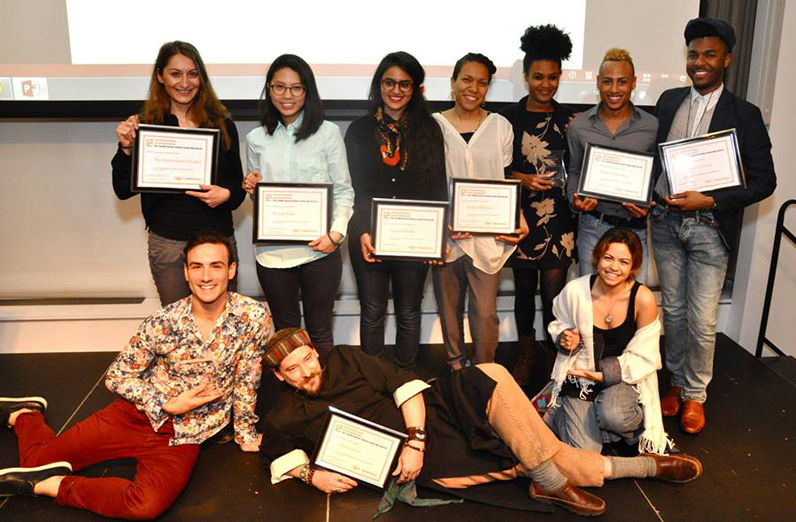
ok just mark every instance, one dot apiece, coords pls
pixel 279 89
pixel 388 84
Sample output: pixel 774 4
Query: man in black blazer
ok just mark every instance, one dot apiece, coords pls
pixel 692 232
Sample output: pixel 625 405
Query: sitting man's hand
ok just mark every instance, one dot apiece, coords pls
pixel 192 399
pixel 410 463
pixel 331 482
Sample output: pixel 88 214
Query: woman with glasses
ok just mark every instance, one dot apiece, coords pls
pixel 294 144
pixel 180 95
pixel 540 146
pixel 478 144
pixel 396 151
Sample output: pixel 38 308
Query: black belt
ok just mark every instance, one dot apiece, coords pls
pixel 618 221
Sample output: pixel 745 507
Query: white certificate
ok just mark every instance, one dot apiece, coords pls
pixel 485 206
pixel 169 159
pixel 409 229
pixel 291 212
pixel 704 163
pixel 616 175
pixel 358 448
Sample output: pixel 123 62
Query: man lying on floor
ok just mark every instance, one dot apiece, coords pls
pixel 189 368
pixel 472 427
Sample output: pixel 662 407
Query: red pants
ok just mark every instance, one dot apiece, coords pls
pixel 118 431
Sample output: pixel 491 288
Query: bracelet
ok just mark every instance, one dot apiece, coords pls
pixel 407 445
pixel 310 474
pixel 335 243
pixel 303 472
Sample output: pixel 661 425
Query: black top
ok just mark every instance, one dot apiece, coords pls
pixel 460 440
pixel 177 216
pixel 615 340
pixel 372 178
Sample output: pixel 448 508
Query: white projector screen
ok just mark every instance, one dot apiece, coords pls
pixel 103 49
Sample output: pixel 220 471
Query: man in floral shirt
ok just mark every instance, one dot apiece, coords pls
pixel 191 367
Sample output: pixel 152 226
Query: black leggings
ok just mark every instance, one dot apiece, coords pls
pixel 525 283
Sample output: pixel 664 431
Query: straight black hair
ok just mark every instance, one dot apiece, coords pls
pixel 423 135
pixel 313 106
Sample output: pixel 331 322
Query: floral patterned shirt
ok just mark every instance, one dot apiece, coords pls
pixel 168 356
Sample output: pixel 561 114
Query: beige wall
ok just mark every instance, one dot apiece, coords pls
pixel 34 31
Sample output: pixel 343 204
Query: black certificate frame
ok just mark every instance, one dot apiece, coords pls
pixel 736 149
pixel 395 436
pixel 258 237
pixel 377 202
pixel 515 184
pixel 167 129
pixel 591 149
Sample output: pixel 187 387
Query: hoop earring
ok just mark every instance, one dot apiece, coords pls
pixel 453 96
pixel 483 103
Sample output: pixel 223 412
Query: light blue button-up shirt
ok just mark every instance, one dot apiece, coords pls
pixel 321 158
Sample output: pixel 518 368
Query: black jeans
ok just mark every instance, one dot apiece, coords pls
pixel 373 285
pixel 316 284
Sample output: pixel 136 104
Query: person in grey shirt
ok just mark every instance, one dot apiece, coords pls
pixel 614 122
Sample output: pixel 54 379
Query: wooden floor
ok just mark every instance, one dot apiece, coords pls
pixel 747 451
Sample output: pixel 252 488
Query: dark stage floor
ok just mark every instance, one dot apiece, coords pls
pixel 747 450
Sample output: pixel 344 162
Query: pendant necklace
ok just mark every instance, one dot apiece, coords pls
pixel 608 317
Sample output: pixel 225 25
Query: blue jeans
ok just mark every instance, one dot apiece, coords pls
pixel 373 285
pixel 692 263
pixel 590 230
pixel 614 414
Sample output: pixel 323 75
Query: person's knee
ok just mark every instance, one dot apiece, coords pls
pixel 619 414
pixel 496 372
pixel 146 507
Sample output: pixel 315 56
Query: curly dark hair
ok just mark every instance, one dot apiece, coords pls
pixel 544 42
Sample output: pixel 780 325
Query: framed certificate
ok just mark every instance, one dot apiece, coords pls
pixel 409 229
pixel 357 448
pixel 485 206
pixel 286 213
pixel 703 163
pixel 173 159
pixel 616 175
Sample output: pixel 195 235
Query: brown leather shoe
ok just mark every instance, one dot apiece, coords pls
pixel 676 468
pixel 570 498
pixel 692 420
pixel 670 403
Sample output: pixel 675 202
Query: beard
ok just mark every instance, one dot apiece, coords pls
pixel 311 385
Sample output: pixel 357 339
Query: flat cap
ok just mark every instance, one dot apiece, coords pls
pixel 705 27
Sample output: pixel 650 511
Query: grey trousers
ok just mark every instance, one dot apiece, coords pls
pixel 451 283
pixel 167 264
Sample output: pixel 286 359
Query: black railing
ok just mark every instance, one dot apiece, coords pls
pixel 772 273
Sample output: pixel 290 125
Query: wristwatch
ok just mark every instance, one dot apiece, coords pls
pixel 417 433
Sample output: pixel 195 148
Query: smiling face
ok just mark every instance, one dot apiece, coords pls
pixel 542 77
pixel 615 266
pixel 470 86
pixel 181 80
pixel 616 82
pixel 706 61
pixel 288 104
pixel 301 369
pixel 208 272
pixel 396 91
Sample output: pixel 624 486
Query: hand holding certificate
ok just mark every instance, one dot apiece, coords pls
pixel 173 159
pixel 485 206
pixel 703 163
pixel 412 230
pixel 287 213
pixel 616 175
pixel 357 448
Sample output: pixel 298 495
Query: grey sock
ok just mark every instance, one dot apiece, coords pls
pixel 547 476
pixel 632 467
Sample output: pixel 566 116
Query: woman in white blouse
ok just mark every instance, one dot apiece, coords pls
pixel 294 144
pixel 478 144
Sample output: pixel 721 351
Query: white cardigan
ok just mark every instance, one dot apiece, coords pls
pixel 639 361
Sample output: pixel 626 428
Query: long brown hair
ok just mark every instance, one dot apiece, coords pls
pixel 206 110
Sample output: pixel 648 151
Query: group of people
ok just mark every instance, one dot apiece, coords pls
pixel 194 366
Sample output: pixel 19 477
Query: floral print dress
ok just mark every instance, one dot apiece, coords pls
pixel 551 241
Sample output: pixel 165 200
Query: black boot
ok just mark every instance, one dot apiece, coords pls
pixel 525 355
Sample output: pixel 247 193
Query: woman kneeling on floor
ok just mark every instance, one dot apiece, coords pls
pixel 607 332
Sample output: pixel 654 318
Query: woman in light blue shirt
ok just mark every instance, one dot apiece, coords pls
pixel 294 144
